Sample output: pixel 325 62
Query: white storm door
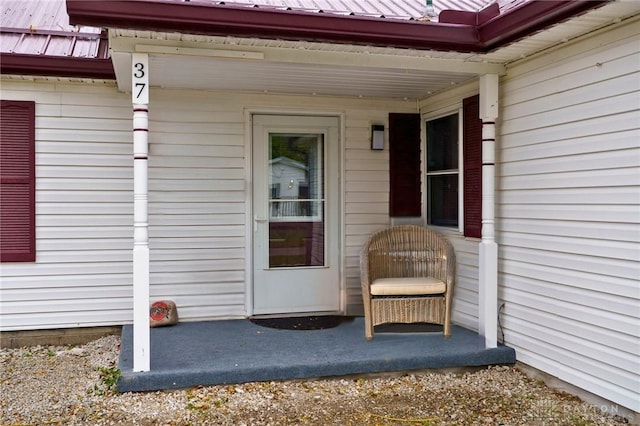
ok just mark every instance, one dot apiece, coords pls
pixel 296 230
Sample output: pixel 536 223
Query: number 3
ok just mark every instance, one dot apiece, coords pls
pixel 139 73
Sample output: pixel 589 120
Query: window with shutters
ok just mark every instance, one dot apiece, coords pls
pixel 17 181
pixel 454 169
pixel 443 172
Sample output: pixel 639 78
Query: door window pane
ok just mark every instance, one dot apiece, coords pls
pixel 296 202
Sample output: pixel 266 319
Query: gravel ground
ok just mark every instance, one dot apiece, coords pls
pixel 74 386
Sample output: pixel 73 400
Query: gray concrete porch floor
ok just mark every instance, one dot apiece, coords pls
pixel 238 351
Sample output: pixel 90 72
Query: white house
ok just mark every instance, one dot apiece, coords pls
pixel 147 127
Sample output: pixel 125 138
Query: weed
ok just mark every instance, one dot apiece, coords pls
pixel 579 421
pixel 220 402
pixel 109 377
pixel 197 406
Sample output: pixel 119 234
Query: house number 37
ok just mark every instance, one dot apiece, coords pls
pixel 140 78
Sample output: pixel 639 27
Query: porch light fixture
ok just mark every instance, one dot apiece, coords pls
pixel 377 136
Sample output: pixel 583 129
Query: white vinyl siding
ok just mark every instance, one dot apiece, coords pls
pixel 568 220
pixel 82 273
pixel 197 204
pixel 567 214
pixel 198 186
pixel 366 192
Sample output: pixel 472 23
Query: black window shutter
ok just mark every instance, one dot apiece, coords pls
pixel 405 194
pixel 17 181
pixel 472 153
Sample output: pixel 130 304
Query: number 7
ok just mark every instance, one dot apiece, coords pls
pixel 142 87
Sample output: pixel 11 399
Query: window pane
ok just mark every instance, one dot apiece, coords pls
pixel 296 202
pixel 296 177
pixel 442 203
pixel 442 143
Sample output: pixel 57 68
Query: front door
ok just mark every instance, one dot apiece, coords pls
pixel 296 229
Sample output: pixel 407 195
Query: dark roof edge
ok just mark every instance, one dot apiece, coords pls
pixel 530 18
pixel 56 66
pixel 291 25
pixel 222 20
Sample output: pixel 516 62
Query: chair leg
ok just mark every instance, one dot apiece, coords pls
pixel 447 322
pixel 368 328
pixel 368 321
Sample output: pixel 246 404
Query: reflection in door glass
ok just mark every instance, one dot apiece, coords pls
pixel 296 200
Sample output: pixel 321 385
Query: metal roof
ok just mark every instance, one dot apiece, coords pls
pixel 392 9
pixel 41 27
pixel 37 39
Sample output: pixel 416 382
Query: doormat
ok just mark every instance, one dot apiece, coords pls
pixel 302 323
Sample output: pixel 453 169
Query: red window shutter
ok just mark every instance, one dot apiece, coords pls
pixel 405 194
pixel 17 182
pixel 472 153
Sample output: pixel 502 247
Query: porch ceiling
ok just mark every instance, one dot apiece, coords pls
pixel 302 78
pixel 208 71
pixel 179 61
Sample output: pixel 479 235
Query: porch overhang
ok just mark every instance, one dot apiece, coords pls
pixel 225 20
pixel 251 68
pixel 212 46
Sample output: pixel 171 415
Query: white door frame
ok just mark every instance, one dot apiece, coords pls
pixel 248 127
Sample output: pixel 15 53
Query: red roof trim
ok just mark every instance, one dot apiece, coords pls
pixel 469 18
pixel 57 66
pixel 209 19
pixel 530 18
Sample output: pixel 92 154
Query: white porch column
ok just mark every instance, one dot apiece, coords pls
pixel 140 95
pixel 488 291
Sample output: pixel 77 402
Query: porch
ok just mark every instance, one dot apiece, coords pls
pixel 238 351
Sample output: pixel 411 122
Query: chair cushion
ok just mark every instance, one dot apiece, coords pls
pixel 408 286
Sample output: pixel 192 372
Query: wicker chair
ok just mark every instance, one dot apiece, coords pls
pixel 407 275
